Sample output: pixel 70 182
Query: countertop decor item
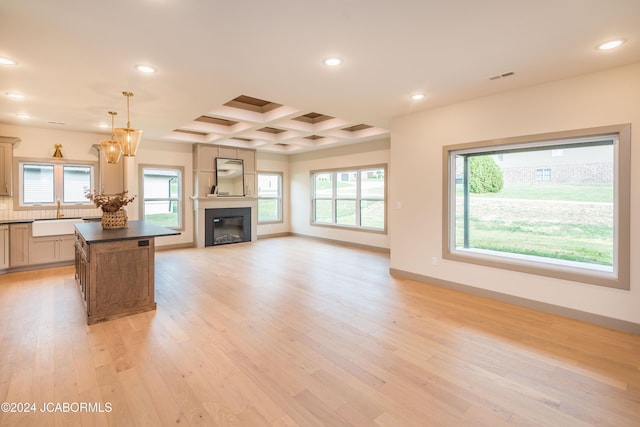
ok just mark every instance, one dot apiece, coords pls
pixel 114 220
pixel 112 205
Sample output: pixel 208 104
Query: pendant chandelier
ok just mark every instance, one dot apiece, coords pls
pixel 128 137
pixel 110 147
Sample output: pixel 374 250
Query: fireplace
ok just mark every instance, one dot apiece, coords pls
pixel 203 228
pixel 228 225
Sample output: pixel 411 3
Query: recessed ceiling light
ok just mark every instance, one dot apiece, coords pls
pixel 7 61
pixel 332 62
pixel 610 44
pixel 417 96
pixel 23 116
pixel 14 95
pixel 103 125
pixel 145 69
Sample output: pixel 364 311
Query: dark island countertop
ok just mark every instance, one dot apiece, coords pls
pixel 92 232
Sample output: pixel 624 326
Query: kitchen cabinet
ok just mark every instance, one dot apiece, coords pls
pixel 67 248
pixel 6 162
pixel 25 250
pixel 19 235
pixel 4 247
pixel 50 249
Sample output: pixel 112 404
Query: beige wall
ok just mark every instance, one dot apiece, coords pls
pixel 39 143
pixel 301 165
pixel 165 154
pixel 273 162
pixel 604 98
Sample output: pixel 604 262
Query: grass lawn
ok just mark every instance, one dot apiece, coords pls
pixel 589 192
pixel 163 219
pixel 267 210
pixel 570 222
pixel 371 213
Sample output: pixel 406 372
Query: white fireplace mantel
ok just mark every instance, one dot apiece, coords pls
pixel 202 203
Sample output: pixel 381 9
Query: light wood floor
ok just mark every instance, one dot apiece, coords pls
pixel 297 332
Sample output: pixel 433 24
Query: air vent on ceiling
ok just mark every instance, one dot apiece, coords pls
pixel 502 76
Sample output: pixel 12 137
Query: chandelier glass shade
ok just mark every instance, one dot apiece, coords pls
pixel 111 147
pixel 128 138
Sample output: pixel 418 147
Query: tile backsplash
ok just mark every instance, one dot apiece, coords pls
pixel 7 212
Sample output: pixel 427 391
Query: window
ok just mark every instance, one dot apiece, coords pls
pixel 543 174
pixel 518 204
pixel 43 184
pixel 352 198
pixel 37 184
pixel 162 196
pixel 269 197
pixel 76 180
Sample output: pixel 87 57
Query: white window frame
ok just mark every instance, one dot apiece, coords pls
pixel 58 184
pixel 278 199
pixel 179 199
pixel 358 199
pixel 619 277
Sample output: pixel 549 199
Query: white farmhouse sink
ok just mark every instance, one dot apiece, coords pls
pixel 54 227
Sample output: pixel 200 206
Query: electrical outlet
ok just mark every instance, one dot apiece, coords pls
pixel 434 260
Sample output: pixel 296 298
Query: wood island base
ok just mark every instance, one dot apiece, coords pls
pixel 115 269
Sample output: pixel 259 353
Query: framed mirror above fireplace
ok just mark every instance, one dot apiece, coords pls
pixel 229 177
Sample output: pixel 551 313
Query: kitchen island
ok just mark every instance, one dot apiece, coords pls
pixel 115 268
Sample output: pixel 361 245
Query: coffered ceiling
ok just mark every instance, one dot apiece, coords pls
pixel 256 123
pixel 250 73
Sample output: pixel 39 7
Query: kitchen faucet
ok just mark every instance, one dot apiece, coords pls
pixel 59 214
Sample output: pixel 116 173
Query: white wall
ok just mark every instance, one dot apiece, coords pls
pixel 301 165
pixel 273 162
pixel 604 98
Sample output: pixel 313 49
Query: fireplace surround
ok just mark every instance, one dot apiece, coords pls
pixel 202 204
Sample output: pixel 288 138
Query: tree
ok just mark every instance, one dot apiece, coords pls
pixel 484 175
